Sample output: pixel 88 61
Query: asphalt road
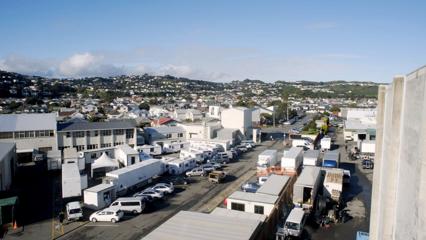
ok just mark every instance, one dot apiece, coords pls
pixel 192 198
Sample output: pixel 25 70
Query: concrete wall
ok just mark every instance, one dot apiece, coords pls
pixel 249 206
pixel 399 181
pixel 237 118
pixel 33 143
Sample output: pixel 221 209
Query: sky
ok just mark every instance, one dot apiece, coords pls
pixel 215 40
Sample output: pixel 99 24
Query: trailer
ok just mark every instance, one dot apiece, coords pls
pixel 331 159
pixel 333 183
pixel 176 166
pixel 152 150
pixel 326 143
pixel 292 159
pixel 99 196
pixel 72 181
pixel 174 147
pixel 135 175
pixel 306 187
pixel 368 147
pixel 311 158
pixel 192 153
pixel 267 158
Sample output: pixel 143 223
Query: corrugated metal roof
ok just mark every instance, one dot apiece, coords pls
pixel 254 197
pixel 308 176
pixel 201 226
pixel 82 126
pixel 274 185
pixel 27 122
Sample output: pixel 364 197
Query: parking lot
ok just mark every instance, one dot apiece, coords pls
pixel 200 195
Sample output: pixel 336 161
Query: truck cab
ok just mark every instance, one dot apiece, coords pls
pixel 74 211
pixel 295 223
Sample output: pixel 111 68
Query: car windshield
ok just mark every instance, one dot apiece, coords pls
pixel 74 211
pixel 291 225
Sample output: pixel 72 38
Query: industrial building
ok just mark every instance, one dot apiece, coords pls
pixel 399 180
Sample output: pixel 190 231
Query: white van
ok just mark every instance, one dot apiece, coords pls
pixel 74 211
pixel 134 205
pixel 295 222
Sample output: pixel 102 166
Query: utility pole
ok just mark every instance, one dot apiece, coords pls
pixel 273 116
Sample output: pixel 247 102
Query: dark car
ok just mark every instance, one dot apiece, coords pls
pixel 367 164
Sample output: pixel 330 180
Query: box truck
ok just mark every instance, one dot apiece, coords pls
pixel 333 183
pixel 306 187
pixel 331 159
pixel 292 159
pixel 311 157
pixel 326 143
pixel 134 175
pixel 267 159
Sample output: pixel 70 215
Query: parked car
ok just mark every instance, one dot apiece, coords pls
pixel 164 188
pixel 250 187
pixel 209 167
pixel 196 172
pixel 107 215
pixel 242 148
pixel 134 205
pixel 367 164
pixel 150 192
pixel 180 180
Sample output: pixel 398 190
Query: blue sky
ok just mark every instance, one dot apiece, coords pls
pixel 215 40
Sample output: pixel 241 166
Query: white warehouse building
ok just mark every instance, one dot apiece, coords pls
pixel 237 118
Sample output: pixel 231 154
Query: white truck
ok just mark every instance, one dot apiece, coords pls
pixel 292 159
pixel 267 159
pixel 368 147
pixel 306 187
pixel 302 142
pixel 325 143
pixel 72 181
pixel 333 183
pixel 134 175
pixel 311 158
pixel 74 211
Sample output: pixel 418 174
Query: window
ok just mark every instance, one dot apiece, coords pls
pixel 105 132
pixel 237 206
pixel 168 135
pixel 92 146
pixel 118 131
pixel 88 133
pixel 152 150
pixel 130 204
pixel 78 134
pixel 79 147
pixel 258 209
pixel 132 160
pixel 129 133
pixel 96 133
pixel 6 135
pixel 68 134
pixel 93 156
pixel 180 135
pixel 105 145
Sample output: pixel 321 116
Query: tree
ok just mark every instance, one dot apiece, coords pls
pixel 334 108
pixel 144 106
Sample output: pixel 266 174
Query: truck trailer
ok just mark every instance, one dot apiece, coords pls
pixel 306 187
pixel 311 157
pixel 134 175
pixel 267 159
pixel 292 159
pixel 331 159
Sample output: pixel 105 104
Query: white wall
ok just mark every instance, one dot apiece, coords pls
pixel 237 118
pixel 249 206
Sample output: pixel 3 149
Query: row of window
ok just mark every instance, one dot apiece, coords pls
pixel 169 135
pixel 81 134
pixel 96 146
pixel 241 207
pixel 27 134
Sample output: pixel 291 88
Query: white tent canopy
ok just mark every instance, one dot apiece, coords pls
pixel 104 161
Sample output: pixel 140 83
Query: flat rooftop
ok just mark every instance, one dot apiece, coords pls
pixel 274 185
pixel 27 122
pixel 253 197
pixel 202 226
